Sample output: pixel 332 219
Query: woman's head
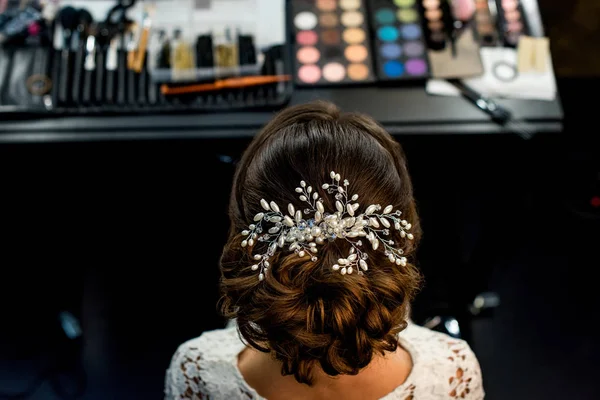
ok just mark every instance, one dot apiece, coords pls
pixel 304 313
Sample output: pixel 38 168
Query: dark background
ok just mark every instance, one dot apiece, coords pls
pixel 127 237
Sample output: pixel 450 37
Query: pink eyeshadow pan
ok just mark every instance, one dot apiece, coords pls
pixel 331 41
pixel 306 38
pixel 512 15
pixel 308 55
pixel 515 26
pixel 309 73
pixel 509 5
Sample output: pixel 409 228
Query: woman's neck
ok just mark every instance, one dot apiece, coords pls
pixel 379 378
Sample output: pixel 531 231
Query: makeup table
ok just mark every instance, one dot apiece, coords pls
pixel 407 110
pixel 401 109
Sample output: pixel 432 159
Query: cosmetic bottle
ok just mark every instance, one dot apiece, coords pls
pixel 182 57
pixel 226 50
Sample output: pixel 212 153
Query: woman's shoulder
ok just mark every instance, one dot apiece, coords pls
pixel 444 367
pixel 205 366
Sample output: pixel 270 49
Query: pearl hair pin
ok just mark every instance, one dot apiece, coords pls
pixel 303 230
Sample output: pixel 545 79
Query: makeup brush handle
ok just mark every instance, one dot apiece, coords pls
pixel 498 113
pixel 152 90
pixel 142 86
pixel 99 86
pixel 110 86
pixel 56 64
pixel 64 77
pixel 141 53
pixel 87 87
pixel 77 72
pixel 122 74
pixel 131 88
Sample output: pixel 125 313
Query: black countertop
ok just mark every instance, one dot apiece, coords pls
pixel 408 110
pixel 402 110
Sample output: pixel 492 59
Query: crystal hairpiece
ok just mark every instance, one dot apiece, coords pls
pixel 303 231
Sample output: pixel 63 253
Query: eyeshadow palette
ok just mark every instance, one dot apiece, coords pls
pixel 485 23
pixel 399 47
pixel 331 42
pixel 439 23
pixel 453 48
pixel 511 21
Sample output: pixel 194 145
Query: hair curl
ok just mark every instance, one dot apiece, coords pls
pixel 303 313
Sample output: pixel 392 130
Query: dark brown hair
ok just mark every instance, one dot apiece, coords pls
pixel 303 313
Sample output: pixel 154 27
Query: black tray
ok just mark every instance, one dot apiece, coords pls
pixel 129 93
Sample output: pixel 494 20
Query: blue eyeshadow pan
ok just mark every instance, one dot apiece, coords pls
pixel 400 48
pixel 393 69
pixel 391 50
pixel 387 33
pixel 385 16
pixel 411 31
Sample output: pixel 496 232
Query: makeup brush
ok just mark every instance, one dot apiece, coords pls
pixel 68 20
pixel 230 83
pixel 103 40
pixel 84 21
pixel 112 63
pixel 499 114
pixel 90 67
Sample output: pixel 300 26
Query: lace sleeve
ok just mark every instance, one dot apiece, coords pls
pixel 465 381
pixel 183 379
pixel 206 368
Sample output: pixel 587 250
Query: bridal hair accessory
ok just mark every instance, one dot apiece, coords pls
pixel 303 230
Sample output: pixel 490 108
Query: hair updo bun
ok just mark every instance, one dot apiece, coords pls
pixel 303 313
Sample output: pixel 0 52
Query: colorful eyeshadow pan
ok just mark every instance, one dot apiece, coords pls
pixel 334 72
pixel 414 49
pixel 405 3
pixel 385 16
pixel 485 24
pixel 411 32
pixel 399 44
pixel 393 69
pixel 309 73
pixel 512 21
pixel 439 22
pixel 391 51
pixel 331 37
pixel 306 38
pixel 326 5
pixel 332 44
pixel 354 35
pixel 356 53
pixel 416 67
pixel 387 33
pixel 328 20
pixel 308 55
pixel 510 5
pixel 305 20
pixel 358 72
pixel 408 15
pixel 353 18
pixel 350 4
pixel 432 4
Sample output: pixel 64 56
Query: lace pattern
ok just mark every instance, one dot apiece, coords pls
pixel 206 368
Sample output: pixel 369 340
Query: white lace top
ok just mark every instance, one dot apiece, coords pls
pixel 443 368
